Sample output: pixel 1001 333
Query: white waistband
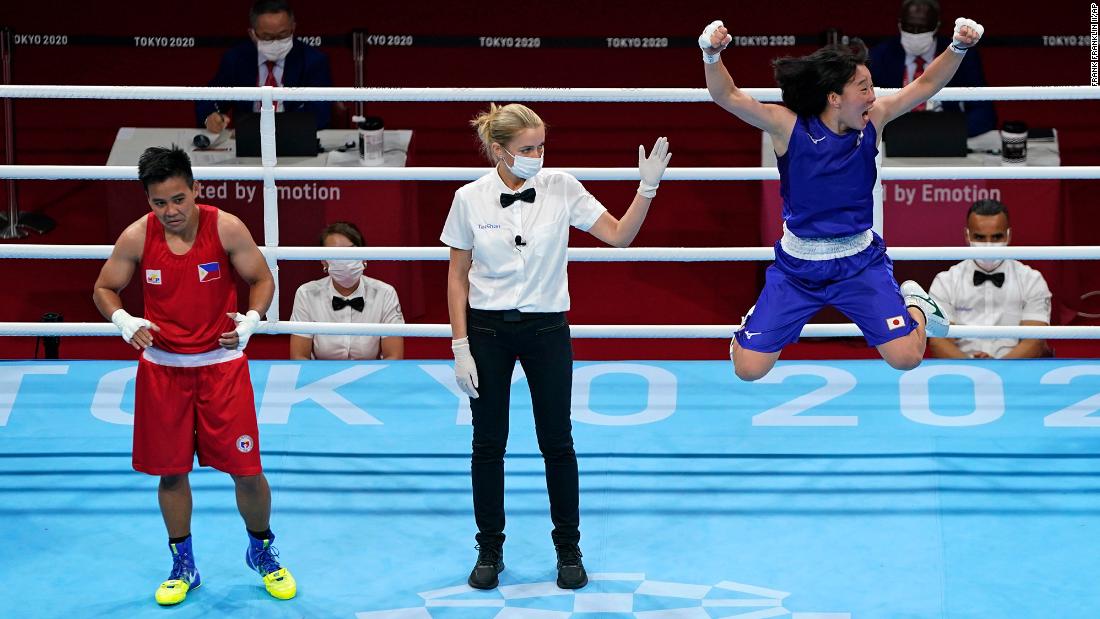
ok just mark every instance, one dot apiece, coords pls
pixel 827 248
pixel 179 360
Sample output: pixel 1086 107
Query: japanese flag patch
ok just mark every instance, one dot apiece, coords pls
pixel 896 322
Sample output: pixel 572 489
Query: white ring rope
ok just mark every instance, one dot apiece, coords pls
pixel 424 95
pixel 269 173
pixel 585 254
pixel 445 173
pixel 577 331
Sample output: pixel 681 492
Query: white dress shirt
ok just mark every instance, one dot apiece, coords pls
pixel 262 78
pixel 911 69
pixel 505 275
pixel 1024 296
pixel 313 303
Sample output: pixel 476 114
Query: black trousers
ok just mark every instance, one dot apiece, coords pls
pixel 543 346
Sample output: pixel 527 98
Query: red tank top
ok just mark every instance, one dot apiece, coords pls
pixel 188 296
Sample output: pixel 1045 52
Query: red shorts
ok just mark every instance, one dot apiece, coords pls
pixel 208 409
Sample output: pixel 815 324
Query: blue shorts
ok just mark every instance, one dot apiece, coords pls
pixel 861 286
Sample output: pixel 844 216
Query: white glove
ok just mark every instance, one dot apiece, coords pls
pixel 465 369
pixel 959 43
pixel 652 168
pixel 246 326
pixel 129 325
pixel 707 44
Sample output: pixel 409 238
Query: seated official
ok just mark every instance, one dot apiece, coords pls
pixel 348 296
pixel 991 292
pixel 271 58
pixel 901 59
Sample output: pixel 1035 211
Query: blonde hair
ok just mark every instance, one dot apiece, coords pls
pixel 501 123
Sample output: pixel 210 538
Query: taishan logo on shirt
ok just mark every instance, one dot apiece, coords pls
pixel 209 272
pixel 152 276
pixel 488 226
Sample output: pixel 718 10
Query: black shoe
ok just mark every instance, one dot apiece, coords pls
pixel 571 574
pixel 490 562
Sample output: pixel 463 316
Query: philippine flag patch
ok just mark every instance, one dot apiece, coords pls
pixel 152 276
pixel 209 272
pixel 896 322
pixel 244 443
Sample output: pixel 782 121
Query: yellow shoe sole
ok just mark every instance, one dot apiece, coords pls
pixel 280 584
pixel 172 592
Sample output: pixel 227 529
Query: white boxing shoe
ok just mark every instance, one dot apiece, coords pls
pixel 936 324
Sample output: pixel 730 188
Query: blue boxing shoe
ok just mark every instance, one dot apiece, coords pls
pixel 184 577
pixel 263 558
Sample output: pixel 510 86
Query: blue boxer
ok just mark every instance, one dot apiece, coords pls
pixel 860 285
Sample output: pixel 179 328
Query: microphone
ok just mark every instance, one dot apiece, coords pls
pixel 520 242
pixel 203 142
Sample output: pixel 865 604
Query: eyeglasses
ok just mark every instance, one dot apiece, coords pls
pixel 273 36
pixel 917 28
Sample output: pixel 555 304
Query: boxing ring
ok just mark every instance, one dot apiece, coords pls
pixel 826 490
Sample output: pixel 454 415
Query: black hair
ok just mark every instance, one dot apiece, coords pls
pixel 158 164
pixel 346 228
pixel 807 81
pixel 262 7
pixel 933 7
pixel 987 208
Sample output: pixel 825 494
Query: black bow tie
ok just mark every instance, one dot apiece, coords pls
pixel 356 304
pixel 527 195
pixel 981 277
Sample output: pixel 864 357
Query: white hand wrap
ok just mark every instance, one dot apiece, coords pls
pixel 957 45
pixel 127 324
pixel 247 325
pixel 465 369
pixel 705 43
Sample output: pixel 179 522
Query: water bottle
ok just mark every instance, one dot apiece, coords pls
pixel 371 131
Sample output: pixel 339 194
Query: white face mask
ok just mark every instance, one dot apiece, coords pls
pixel 524 167
pixel 918 44
pixel 345 272
pixel 988 264
pixel 275 50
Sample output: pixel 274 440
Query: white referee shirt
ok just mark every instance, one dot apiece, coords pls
pixel 313 303
pixel 1024 296
pixel 504 275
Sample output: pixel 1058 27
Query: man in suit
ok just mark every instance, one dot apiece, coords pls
pixel 270 58
pixel 899 60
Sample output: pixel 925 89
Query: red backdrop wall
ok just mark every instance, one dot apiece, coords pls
pixel 597 134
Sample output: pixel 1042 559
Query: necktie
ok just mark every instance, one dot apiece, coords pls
pixel 356 304
pixel 527 195
pixel 919 71
pixel 980 277
pixel 270 81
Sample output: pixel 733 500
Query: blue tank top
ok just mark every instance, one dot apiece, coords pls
pixel 826 179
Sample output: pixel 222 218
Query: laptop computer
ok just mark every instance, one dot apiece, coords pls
pixel 926 134
pixel 295 135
